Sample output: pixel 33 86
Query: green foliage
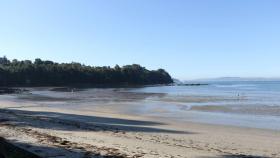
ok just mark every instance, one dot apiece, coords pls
pixel 48 73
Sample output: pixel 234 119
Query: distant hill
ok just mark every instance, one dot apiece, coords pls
pixel 238 79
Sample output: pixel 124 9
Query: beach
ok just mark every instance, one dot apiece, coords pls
pixel 45 123
pixel 139 79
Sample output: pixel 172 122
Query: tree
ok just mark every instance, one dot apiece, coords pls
pixel 49 73
pixel 4 61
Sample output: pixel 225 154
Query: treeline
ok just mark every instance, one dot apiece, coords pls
pixel 49 73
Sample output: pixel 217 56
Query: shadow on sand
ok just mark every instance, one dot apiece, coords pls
pixel 237 156
pixel 8 150
pixel 15 149
pixel 74 122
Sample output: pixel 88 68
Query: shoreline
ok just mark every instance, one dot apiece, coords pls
pixel 58 124
pixel 80 133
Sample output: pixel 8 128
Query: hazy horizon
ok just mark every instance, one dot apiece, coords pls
pixel 189 39
pixel 225 78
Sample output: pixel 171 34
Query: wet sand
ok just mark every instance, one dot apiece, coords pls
pixel 56 131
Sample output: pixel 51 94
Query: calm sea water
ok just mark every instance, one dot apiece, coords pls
pixel 240 103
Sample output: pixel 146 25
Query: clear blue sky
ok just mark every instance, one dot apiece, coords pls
pixel 190 39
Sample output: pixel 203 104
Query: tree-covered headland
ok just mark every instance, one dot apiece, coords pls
pixel 49 73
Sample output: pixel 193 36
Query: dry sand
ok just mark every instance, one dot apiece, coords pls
pixel 54 132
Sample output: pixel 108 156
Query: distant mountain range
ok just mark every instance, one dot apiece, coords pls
pixel 235 79
pixel 220 79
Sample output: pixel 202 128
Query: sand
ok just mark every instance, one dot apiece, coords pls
pixel 57 132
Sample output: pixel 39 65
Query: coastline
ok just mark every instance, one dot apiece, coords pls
pixel 56 132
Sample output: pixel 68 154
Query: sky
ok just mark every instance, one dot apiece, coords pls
pixel 189 38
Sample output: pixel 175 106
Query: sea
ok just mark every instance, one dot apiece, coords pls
pixel 252 104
